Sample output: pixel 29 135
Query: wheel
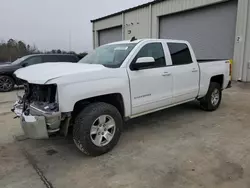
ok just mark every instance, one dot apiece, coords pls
pixel 213 97
pixel 6 83
pixel 97 129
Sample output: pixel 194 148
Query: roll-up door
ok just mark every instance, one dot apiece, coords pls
pixel 210 30
pixel 110 35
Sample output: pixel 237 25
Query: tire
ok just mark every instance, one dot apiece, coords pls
pixel 206 102
pixel 6 83
pixel 87 119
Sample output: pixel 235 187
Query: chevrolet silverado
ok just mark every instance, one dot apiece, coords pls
pixel 114 83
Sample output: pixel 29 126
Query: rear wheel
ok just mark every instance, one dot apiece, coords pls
pixel 213 97
pixel 6 83
pixel 97 129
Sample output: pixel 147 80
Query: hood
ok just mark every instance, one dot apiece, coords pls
pixel 5 64
pixel 42 73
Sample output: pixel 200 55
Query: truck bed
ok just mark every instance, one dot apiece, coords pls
pixel 208 68
pixel 209 60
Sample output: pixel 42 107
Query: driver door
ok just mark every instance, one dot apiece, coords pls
pixel 151 87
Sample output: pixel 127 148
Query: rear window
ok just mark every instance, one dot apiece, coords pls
pixel 180 53
pixel 67 58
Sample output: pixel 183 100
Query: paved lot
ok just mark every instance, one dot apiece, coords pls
pixel 180 147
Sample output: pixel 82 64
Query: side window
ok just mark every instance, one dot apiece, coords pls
pixel 50 58
pixel 180 53
pixel 154 50
pixel 33 60
pixel 67 58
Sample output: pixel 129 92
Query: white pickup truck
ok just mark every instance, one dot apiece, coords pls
pixel 115 82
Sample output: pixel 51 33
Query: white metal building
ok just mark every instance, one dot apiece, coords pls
pixel 217 29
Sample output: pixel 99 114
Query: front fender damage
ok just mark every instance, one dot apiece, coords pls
pixel 37 124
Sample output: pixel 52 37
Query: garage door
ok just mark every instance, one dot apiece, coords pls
pixel 110 35
pixel 210 30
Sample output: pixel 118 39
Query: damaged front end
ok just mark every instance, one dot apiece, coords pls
pixel 38 110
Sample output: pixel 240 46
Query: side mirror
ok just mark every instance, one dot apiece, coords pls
pixel 24 64
pixel 143 62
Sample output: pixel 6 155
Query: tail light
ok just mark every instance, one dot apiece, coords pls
pixel 230 66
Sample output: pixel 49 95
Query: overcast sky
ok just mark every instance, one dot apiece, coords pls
pixel 48 23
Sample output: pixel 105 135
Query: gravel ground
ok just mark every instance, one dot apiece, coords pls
pixel 179 147
pixel 9 125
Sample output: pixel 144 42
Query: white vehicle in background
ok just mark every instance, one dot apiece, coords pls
pixel 115 82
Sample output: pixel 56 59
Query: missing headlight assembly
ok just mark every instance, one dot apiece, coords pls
pixel 38 110
pixel 42 97
pixel 40 93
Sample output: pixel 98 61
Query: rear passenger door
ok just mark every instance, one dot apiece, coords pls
pixel 185 73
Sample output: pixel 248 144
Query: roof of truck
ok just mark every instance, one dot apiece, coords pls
pixel 31 55
pixel 147 39
pixel 128 41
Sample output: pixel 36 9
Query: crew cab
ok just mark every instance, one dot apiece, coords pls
pixel 114 83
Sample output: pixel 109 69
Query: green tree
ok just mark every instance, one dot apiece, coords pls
pixel 12 49
pixel 22 48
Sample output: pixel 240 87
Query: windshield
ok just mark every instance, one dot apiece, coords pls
pixel 109 55
pixel 19 60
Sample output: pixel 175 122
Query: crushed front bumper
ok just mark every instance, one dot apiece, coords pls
pixel 34 126
pixel 37 124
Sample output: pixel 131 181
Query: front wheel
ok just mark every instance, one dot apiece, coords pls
pixel 97 129
pixel 213 97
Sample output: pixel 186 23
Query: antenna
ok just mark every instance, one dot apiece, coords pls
pixel 133 39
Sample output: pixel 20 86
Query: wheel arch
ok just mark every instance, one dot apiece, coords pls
pixel 218 79
pixel 115 99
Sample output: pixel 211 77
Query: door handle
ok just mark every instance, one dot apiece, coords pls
pixel 166 74
pixel 195 70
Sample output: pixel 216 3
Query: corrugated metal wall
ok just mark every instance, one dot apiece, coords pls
pixel 143 22
pixel 137 23
pixel 146 25
pixel 246 67
pixel 242 43
pixel 109 22
pixel 241 50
